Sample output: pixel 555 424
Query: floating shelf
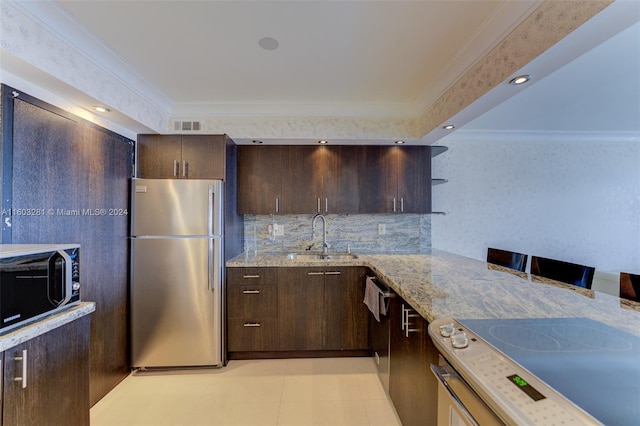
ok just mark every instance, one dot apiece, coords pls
pixel 437 150
pixel 438 181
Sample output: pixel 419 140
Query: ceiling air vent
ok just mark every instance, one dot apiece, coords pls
pixel 186 126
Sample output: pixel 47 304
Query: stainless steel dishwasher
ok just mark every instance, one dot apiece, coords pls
pixel 458 404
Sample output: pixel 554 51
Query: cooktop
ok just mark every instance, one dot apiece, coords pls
pixel 595 366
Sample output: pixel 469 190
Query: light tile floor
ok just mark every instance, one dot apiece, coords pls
pixel 300 392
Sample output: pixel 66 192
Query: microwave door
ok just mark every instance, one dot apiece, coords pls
pixel 59 290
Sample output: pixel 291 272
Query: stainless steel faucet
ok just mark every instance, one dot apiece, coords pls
pixel 325 246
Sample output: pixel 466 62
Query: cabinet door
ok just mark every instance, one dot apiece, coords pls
pixel 159 156
pixel 414 179
pixel 203 156
pixel 410 379
pixel 56 391
pixel 259 179
pixel 300 308
pixel 379 169
pixel 341 178
pixel 302 180
pixel 346 317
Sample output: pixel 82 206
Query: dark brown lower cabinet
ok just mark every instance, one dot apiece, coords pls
pixel 55 389
pixel 252 313
pixel 412 386
pixel 278 311
pixel 346 317
pixel 300 309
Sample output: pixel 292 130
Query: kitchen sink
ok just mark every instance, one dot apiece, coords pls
pixel 309 256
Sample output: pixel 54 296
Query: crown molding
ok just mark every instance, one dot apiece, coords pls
pixel 50 16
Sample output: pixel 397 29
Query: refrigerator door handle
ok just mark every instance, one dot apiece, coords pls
pixel 210 266
pixel 215 254
pixel 215 209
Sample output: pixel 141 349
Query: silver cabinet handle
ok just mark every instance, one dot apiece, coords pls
pixel 315 273
pixel 318 204
pixel 326 205
pixel 251 324
pixel 401 204
pixel 332 273
pixel 277 205
pixel 22 379
pixel 250 291
pixel 394 204
pixel 405 321
pixel 407 328
pixel 176 167
pixel 185 169
pixel 251 276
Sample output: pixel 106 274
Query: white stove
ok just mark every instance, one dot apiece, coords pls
pixel 544 371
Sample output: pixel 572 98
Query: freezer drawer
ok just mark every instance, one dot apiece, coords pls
pixel 176 302
pixel 176 207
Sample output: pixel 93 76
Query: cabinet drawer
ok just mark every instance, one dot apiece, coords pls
pixel 252 276
pixel 252 334
pixel 252 301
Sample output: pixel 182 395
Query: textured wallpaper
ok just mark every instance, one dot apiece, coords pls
pixel 574 201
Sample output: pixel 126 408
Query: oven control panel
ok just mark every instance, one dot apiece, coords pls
pixel 516 396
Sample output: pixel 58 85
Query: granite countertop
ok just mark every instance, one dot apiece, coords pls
pixel 39 327
pixel 440 284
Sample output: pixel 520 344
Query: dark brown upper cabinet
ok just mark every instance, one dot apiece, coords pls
pixel 302 176
pixel 259 179
pixel 398 179
pixel 341 179
pixel 414 179
pixel 181 156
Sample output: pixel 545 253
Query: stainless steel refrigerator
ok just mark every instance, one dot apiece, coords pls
pixel 176 273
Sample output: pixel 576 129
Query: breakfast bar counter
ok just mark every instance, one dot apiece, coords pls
pixel 439 284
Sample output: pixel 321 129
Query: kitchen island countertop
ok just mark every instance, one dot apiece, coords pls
pixel 439 284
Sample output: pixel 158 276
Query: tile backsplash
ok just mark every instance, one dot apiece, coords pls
pixel 403 233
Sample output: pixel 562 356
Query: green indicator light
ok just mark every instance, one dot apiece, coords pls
pixel 520 381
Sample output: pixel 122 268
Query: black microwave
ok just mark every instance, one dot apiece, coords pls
pixel 37 280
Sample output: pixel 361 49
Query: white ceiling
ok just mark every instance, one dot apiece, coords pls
pixel 334 57
pixel 597 92
pixel 202 59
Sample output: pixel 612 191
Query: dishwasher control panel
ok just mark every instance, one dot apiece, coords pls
pixel 516 396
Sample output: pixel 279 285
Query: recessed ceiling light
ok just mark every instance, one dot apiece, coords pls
pixel 257 141
pixel 101 108
pixel 399 142
pixel 449 127
pixel 323 142
pixel 268 43
pixel 521 79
